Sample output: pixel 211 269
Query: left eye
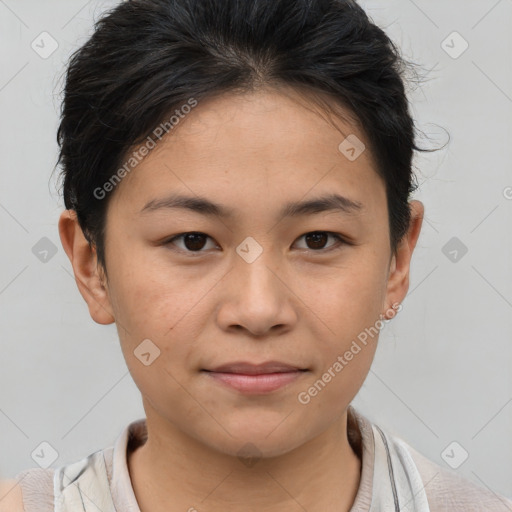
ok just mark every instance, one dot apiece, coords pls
pixel 318 238
pixel 194 241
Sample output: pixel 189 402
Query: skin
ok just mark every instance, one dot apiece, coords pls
pixel 297 303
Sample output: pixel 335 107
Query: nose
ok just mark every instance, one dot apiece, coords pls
pixel 257 298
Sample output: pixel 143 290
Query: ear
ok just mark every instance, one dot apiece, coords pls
pixel 398 278
pixel 90 281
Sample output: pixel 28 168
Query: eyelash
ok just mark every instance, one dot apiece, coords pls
pixel 340 242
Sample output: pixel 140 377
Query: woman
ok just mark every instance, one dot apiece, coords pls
pixel 237 178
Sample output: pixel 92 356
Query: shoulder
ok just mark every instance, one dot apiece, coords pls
pixel 11 499
pixel 449 491
pixel 30 491
pixel 445 489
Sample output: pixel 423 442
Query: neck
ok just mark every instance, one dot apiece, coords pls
pixel 172 471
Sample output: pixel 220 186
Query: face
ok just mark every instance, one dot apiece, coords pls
pixel 258 283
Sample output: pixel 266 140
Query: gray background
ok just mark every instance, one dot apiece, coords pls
pixel 442 372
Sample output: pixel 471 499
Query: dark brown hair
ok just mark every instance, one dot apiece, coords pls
pixel 147 58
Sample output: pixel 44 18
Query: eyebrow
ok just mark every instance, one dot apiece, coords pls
pixel 203 206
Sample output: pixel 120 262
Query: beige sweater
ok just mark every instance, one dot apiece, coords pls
pixel 445 490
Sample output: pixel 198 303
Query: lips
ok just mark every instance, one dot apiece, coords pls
pixel 255 379
pixel 247 368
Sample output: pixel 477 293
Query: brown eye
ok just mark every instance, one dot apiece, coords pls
pixel 193 242
pixel 316 240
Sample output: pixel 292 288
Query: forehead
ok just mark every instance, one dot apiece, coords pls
pixel 270 142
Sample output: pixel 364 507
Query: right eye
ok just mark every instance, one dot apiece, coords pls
pixel 193 241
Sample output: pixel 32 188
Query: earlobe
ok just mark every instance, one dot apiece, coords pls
pixel 399 272
pixel 84 262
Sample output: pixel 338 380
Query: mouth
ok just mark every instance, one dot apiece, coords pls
pixel 252 378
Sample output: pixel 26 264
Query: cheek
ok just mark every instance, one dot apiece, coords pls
pixel 147 298
pixel 157 339
pixel 171 316
pixel 348 297
pixel 348 302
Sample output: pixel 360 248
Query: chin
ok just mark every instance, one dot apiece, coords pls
pixel 256 440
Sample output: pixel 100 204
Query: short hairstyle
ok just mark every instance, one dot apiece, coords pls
pixel 147 58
